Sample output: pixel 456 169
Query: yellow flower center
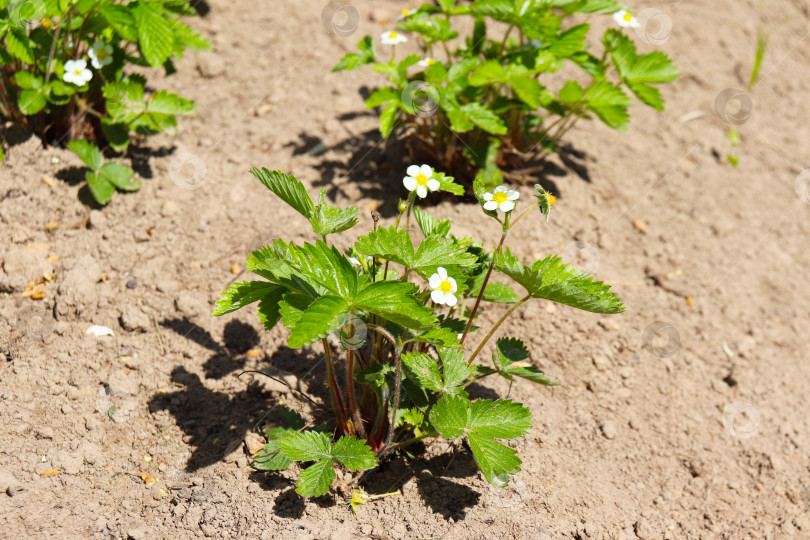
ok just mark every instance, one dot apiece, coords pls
pixel 101 54
pixel 406 11
pixel 77 72
pixel 421 179
pixel 392 35
pixel 551 200
pixel 499 197
pixel 627 17
pixel 446 286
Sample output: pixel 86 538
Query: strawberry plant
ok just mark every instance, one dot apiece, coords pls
pixel 487 101
pixel 67 71
pixel 402 305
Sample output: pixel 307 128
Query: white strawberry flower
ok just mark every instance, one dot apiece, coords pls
pixel 100 54
pixel 76 72
pixel 354 262
pixel 625 19
pixel 443 288
pixel 420 179
pixel 426 62
pixel 502 199
pixel 393 38
pixel 405 13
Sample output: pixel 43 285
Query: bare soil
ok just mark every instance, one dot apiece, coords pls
pixel 700 431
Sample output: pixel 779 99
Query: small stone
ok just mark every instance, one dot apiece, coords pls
pixel 380 16
pixel 254 443
pixel 609 430
pixel 97 220
pixel 131 284
pixel 170 208
pixel 213 65
pixel 5 395
pixel 366 528
pixel 601 362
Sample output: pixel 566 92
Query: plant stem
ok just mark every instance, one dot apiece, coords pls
pixel 497 324
pixel 397 389
pixel 49 65
pixel 481 292
pixel 355 410
pixel 532 207
pixel 503 43
pixel 337 403
pixel 414 440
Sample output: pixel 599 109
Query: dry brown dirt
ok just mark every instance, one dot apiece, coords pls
pixel 699 433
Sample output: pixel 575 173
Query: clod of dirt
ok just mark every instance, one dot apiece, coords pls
pixel 133 319
pixel 78 290
pixel 9 484
pixel 45 432
pixel 97 220
pixel 23 266
pixel 69 462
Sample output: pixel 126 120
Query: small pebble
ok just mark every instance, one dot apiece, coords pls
pixel 131 284
pixel 6 395
pixel 609 430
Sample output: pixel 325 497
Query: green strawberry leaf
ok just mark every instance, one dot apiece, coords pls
pixel 553 280
pixel 288 188
pixel 353 453
pixel 121 176
pixel 87 152
pixel 316 479
pixel 244 293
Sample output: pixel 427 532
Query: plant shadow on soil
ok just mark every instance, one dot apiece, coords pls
pixel 375 166
pixel 215 423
